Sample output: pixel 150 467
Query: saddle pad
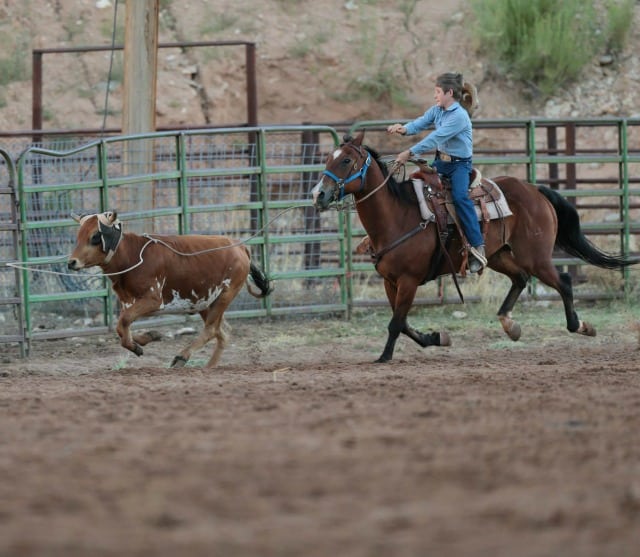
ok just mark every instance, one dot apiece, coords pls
pixel 496 209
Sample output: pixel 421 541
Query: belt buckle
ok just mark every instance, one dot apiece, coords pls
pixel 445 157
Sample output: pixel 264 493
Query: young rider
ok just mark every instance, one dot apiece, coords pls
pixel 452 141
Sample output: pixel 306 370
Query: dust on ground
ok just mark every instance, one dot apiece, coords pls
pixel 298 444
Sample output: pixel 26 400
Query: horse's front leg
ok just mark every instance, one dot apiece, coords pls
pixel 438 338
pixel 400 298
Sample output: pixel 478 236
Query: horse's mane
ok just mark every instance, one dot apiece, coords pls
pixel 403 191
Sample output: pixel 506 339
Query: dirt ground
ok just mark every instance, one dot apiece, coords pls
pixel 298 444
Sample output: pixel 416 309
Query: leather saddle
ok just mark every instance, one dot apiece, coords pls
pixel 485 194
pixel 487 197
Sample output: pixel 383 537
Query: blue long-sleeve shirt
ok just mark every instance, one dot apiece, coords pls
pixel 453 133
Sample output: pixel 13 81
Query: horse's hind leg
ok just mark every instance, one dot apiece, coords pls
pixel 574 325
pixel 509 325
pixel 562 283
pixel 504 263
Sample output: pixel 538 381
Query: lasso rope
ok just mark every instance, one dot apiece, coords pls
pixel 151 240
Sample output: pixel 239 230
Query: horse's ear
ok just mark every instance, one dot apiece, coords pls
pixel 76 217
pixel 359 138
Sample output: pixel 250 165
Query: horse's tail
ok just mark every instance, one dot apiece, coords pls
pixel 571 238
pixel 260 280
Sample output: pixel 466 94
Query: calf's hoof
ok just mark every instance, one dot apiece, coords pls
pixel 154 335
pixel 179 361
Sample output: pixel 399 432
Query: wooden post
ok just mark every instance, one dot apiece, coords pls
pixel 139 101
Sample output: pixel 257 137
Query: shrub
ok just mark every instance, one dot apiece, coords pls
pixel 542 42
pixel 619 21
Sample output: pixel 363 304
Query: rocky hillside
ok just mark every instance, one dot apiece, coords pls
pixel 329 61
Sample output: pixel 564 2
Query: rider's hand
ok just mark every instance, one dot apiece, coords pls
pixel 397 129
pixel 403 157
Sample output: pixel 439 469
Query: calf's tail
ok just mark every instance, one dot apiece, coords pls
pixel 260 280
pixel 571 238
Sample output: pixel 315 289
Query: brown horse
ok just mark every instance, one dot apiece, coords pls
pixel 519 246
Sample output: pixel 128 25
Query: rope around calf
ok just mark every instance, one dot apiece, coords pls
pixel 151 240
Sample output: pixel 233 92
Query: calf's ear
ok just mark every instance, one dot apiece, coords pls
pixel 112 216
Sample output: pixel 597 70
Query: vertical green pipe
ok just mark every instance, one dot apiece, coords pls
pixel 181 162
pixel 24 254
pixel 531 148
pixel 624 208
pixel 263 215
pixel 347 289
pixel 532 177
pixel 103 174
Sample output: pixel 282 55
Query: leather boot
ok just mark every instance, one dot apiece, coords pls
pixel 477 259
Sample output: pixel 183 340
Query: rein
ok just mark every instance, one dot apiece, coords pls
pixel 373 191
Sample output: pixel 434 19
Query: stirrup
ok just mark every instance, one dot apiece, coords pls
pixel 477 261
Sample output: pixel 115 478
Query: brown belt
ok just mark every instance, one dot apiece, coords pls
pixel 449 158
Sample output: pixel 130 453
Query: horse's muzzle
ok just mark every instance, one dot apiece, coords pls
pixel 321 200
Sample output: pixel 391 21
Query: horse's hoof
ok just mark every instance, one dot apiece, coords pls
pixel 382 360
pixel 510 327
pixel 586 329
pixel 515 331
pixel 137 350
pixel 179 361
pixel 445 339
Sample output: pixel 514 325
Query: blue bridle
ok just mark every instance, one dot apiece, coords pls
pixel 342 182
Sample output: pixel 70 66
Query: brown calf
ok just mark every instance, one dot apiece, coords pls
pixel 169 274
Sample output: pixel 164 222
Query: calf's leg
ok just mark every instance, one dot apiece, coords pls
pixel 145 338
pixel 129 314
pixel 215 326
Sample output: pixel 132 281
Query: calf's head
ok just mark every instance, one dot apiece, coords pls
pixel 97 240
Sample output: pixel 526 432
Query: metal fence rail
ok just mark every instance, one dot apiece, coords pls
pixel 12 328
pixel 253 183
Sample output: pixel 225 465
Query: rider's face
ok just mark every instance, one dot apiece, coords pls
pixel 443 98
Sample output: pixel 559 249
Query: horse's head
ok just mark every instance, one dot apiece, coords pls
pixel 97 240
pixel 345 172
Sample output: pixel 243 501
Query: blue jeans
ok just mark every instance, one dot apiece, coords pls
pixel 458 173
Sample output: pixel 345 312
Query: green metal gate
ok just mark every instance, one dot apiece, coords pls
pixel 251 184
